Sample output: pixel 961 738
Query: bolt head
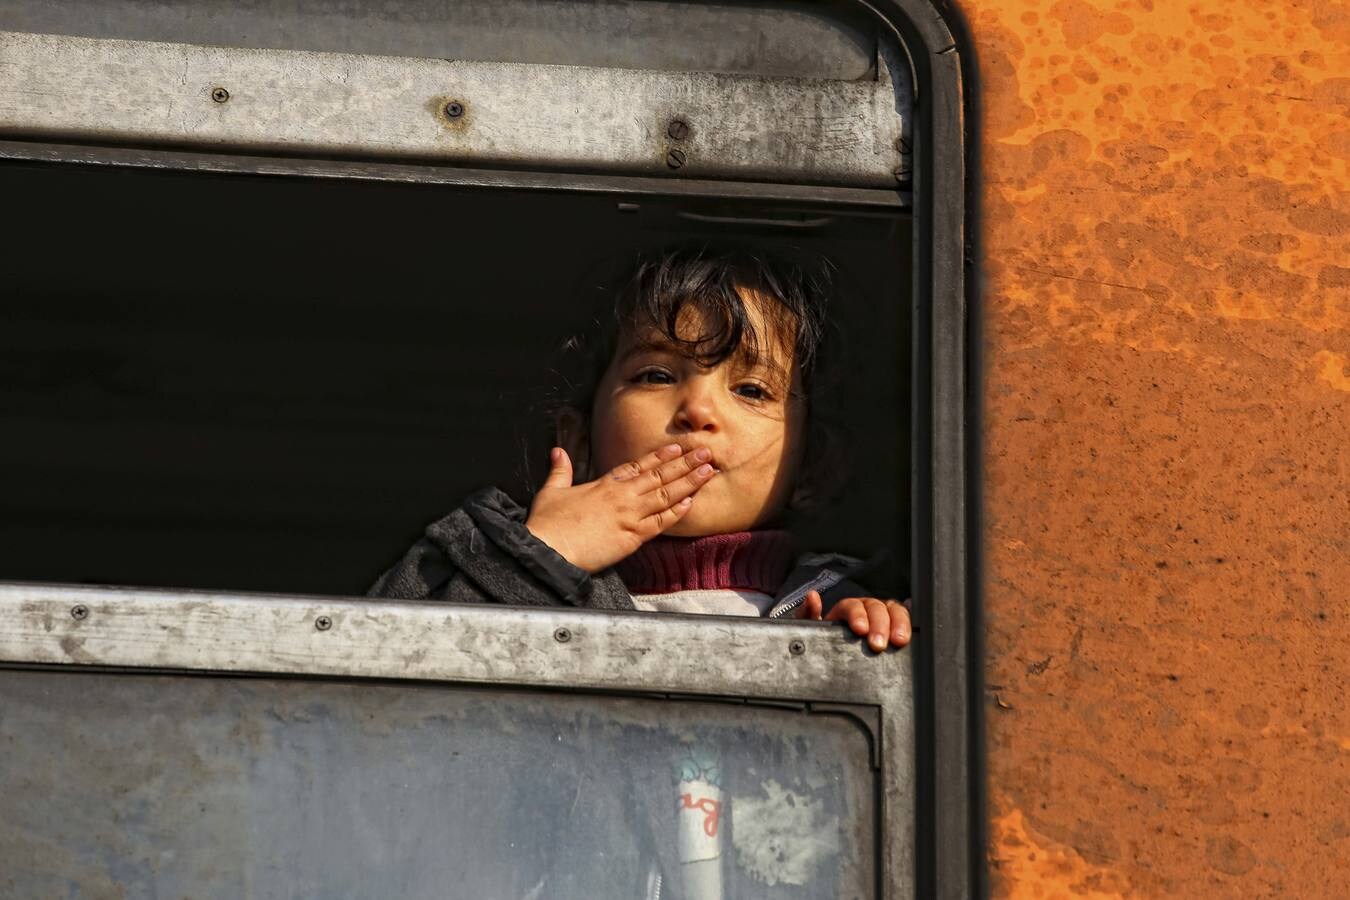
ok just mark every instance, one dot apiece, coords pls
pixel 675 158
pixel 678 130
pixel 323 623
pixel 79 612
pixel 562 635
pixel 220 95
pixel 797 648
pixel 454 109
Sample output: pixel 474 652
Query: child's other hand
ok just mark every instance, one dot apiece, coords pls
pixel 596 524
pixel 882 622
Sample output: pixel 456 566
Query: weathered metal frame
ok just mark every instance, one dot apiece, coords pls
pixel 812 665
pixel 945 485
pixel 796 38
pixel 573 118
pixel 631 186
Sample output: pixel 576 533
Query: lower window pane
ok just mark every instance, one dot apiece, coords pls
pixel 158 785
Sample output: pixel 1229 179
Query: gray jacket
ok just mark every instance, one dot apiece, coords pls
pixel 483 553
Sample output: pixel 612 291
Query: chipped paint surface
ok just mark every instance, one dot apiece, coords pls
pixel 1166 203
pixel 1036 870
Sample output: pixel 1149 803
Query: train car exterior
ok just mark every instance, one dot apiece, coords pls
pixel 1165 297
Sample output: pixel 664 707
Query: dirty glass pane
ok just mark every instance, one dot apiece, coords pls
pixel 173 786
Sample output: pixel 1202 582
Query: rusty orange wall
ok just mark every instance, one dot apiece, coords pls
pixel 1166 286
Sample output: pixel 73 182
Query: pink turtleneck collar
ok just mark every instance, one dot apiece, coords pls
pixel 743 560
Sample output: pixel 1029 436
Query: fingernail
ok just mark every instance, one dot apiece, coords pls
pixel 671 448
pixel 686 501
pixel 878 642
pixel 702 454
pixel 703 471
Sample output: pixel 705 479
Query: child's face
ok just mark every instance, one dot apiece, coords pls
pixel 749 414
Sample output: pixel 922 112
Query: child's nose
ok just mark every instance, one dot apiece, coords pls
pixel 696 412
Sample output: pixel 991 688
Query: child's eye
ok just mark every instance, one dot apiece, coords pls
pixel 752 392
pixel 654 376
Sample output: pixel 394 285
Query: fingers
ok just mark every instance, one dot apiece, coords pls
pixel 669 479
pixel 878 624
pixel 852 611
pixel 881 623
pixel 560 469
pixel 901 628
pixel 681 465
pixel 811 606
pixel 646 463
pixel 659 521
pixel 664 496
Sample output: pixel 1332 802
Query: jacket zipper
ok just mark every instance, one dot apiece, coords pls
pixel 822 581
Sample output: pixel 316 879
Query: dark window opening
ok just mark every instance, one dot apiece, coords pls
pixel 273 383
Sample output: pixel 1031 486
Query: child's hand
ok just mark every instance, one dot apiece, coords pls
pixel 596 524
pixel 880 621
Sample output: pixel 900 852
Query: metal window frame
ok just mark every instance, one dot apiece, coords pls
pixel 945 476
pixel 487 114
pixel 949 812
pixel 811 666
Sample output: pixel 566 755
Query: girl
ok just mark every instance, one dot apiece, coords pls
pixel 689 439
